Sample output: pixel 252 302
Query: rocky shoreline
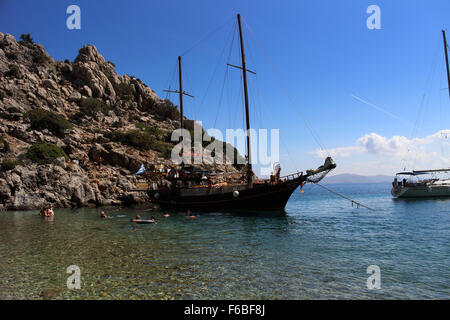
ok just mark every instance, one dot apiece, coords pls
pixel 73 133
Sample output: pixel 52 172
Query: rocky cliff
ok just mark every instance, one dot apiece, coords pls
pixel 73 133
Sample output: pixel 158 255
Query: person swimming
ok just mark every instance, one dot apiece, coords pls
pixel 152 219
pixel 166 215
pixel 47 212
pixel 43 212
pixel 137 219
pixel 103 215
pixel 50 212
pixel 191 215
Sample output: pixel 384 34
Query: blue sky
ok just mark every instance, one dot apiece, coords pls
pixel 322 51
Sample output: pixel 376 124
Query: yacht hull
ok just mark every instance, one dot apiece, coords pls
pixel 421 192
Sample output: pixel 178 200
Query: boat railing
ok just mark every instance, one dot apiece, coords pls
pixel 292 176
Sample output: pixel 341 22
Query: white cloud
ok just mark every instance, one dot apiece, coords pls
pixel 397 146
pixel 376 154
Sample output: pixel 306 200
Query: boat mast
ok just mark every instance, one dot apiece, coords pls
pixel 181 92
pixel 244 74
pixel 446 61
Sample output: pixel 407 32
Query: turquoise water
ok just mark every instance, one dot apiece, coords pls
pixel 319 249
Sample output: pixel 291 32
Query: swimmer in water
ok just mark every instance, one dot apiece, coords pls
pixel 103 215
pixel 166 215
pixel 152 219
pixel 50 212
pixel 137 219
pixel 191 215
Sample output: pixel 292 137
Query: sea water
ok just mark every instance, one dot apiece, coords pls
pixel 319 248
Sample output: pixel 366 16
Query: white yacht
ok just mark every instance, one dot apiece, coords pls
pixel 421 184
pixel 424 183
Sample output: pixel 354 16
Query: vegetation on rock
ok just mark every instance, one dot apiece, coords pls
pixel 124 91
pixel 26 38
pixel 142 140
pixel 167 109
pixel 91 106
pixel 43 119
pixel 13 71
pixel 45 152
pixel 8 164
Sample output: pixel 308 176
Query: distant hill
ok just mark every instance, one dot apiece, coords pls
pixel 354 178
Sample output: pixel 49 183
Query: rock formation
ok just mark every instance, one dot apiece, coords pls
pixel 103 110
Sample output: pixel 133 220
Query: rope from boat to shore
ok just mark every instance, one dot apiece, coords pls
pixel 347 198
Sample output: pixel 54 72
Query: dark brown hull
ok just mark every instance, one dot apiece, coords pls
pixel 260 197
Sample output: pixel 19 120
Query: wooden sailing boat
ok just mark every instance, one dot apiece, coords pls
pixel 250 193
pixel 424 183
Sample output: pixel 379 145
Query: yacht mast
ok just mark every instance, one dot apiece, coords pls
pixel 180 92
pixel 244 74
pixel 446 61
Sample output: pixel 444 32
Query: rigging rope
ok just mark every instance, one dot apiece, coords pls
pixel 215 69
pixel 207 36
pixel 284 87
pixel 345 197
pixel 418 125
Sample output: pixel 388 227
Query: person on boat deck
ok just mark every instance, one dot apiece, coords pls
pixel 138 218
pixel 404 182
pixel 394 183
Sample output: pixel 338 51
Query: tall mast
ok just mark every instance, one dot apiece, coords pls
pixel 244 74
pixel 180 91
pixel 446 61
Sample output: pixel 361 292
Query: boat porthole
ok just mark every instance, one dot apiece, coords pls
pixel 156 195
pixel 235 193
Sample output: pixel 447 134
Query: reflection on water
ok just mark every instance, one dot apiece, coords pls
pixel 319 248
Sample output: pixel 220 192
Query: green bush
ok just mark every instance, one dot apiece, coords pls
pixel 26 37
pixel 43 119
pixel 117 124
pixel 13 71
pixel 91 106
pixel 142 140
pixel 8 164
pixel 167 109
pixel 151 130
pixel 45 152
pixel 11 56
pixel 65 69
pixel 39 57
pixel 139 139
pixel 124 91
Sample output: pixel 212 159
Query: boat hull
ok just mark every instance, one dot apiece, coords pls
pixel 268 197
pixel 421 192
